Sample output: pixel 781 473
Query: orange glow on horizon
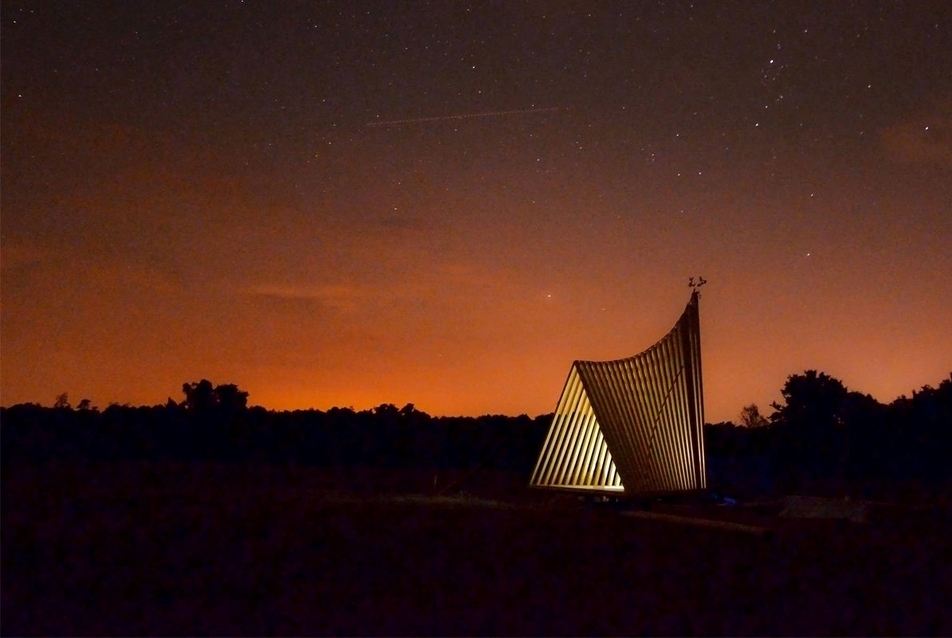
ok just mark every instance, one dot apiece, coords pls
pixel 237 220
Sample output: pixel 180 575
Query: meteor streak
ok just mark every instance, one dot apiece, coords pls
pixel 464 116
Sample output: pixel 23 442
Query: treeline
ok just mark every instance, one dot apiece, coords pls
pixel 215 424
pixel 820 430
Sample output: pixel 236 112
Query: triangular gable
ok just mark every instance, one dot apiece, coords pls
pixel 575 454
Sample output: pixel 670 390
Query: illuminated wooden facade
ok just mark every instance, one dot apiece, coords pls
pixel 634 425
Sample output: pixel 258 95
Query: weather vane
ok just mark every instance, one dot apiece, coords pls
pixel 694 285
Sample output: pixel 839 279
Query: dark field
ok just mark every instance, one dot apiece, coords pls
pixel 171 551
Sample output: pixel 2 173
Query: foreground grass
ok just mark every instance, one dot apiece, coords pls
pixel 182 558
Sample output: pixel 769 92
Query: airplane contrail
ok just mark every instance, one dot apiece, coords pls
pixel 464 116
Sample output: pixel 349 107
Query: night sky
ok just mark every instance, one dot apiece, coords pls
pixel 445 204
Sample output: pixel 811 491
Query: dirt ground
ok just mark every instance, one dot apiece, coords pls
pixel 173 553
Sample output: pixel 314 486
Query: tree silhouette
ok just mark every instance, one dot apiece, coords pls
pixel 230 398
pixel 203 397
pixel 812 400
pixel 812 430
pixel 199 397
pixel 750 417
